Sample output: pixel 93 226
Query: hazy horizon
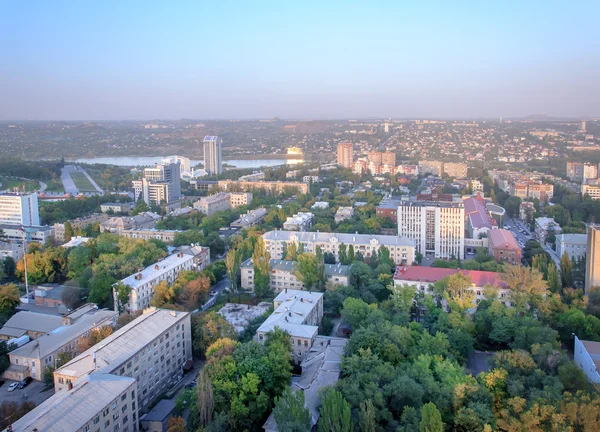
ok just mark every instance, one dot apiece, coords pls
pixel 118 62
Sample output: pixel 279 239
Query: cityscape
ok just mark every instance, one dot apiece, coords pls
pixel 302 246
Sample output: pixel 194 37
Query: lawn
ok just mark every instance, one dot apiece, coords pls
pixel 13 182
pixel 82 182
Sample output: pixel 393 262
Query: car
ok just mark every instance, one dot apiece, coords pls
pixel 13 386
pixel 470 253
pixel 25 382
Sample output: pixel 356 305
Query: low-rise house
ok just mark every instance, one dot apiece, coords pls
pixel 118 224
pixel 545 225
pixel 253 217
pixel 301 221
pixel 343 213
pixel 503 246
pixel 48 295
pixel 32 324
pixel 321 205
pixel 575 245
pixel 156 420
pixel 283 277
pixel 299 313
pixel 116 207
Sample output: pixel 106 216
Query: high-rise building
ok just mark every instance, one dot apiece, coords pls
pixel 437 228
pixel 583 126
pixel 386 127
pixel 592 258
pixel 374 156
pixel 388 158
pixel 17 209
pixel 160 183
pixel 184 163
pixel 212 155
pixel 345 154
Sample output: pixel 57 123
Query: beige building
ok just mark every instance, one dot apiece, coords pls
pixel 402 249
pixel 283 277
pixel 268 186
pixel 238 199
pixel 154 349
pixel 593 190
pixel 28 323
pixel 222 201
pixel 59 228
pixel 299 313
pixel 301 221
pixel 345 154
pixel 32 358
pixel 592 258
pixel 431 167
pixel 455 169
pixel 100 402
pixel 166 236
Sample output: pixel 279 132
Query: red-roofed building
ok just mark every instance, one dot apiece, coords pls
pixel 503 246
pixel 424 278
pixel 478 219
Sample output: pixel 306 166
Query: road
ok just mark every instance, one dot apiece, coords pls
pixel 43 186
pixel 67 181
pixel 515 226
pixel 218 288
pixel 92 181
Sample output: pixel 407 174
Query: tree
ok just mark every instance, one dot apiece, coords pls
pixel 94 336
pixel 194 292
pixel 525 284
pixel 351 254
pixel 233 260
pixel 78 259
pixel 343 254
pixel 206 403
pixel 335 412
pixel 566 271
pixel 9 268
pixel 554 282
pixel 367 419
pixel 71 297
pixel 262 269
pixel 68 231
pixel 431 419
pixel 163 295
pixel 101 290
pixel 456 288
pixel 9 299
pixel 290 412
pixel 176 424
pixel 207 328
pixel 307 270
pixel 418 257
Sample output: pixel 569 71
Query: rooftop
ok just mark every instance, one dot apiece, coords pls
pixel 240 315
pixel 323 237
pixel 389 204
pixel 160 412
pixel 299 218
pixel 76 241
pixel 545 222
pixel 71 410
pixel 155 270
pixel 294 307
pixel 22 322
pixel 250 217
pixel 501 238
pixel 477 212
pixel 434 274
pixel 572 238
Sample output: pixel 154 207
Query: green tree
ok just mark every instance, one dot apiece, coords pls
pixel 418 257
pixel 291 251
pixel 343 254
pixel 335 412
pixel 431 419
pixel 351 254
pixel 71 297
pixel 307 270
pixel 262 269
pixel 367 420
pixel 68 231
pixel 9 299
pixel 554 282
pixel 566 271
pixel 290 413
pixel 205 399
pixel 233 261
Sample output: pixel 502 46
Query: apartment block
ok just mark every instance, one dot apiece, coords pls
pixel 79 223
pixel 345 154
pixel 388 158
pixel 283 277
pixel 118 224
pixel 575 245
pixel 116 207
pixel 343 213
pixel 436 228
pixel 154 349
pixel 211 204
pixel 161 183
pixel 166 236
pixel 238 199
pixel 374 156
pixel 592 258
pixel 503 246
pixel 402 249
pixel 301 221
pixel 143 282
pixel 591 189
pixel 454 169
pixel 582 171
pixel 299 313
pixel 254 177
pixel 431 167
pixel 543 225
pixel 99 402
pixel 212 146
pixel 19 209
pixel 388 208
pixel 250 219
pixel 273 187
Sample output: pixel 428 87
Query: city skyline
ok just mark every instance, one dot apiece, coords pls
pixel 311 61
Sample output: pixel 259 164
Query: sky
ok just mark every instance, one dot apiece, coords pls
pixel 141 60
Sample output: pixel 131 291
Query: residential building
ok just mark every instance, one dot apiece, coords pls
pixel 211 204
pixel 36 234
pixel 166 236
pixel 48 295
pixel 12 249
pixel 200 254
pixel 343 213
pixel 79 223
pixel 591 189
pixel 575 245
pixel 320 205
pixel 100 401
pixel 402 249
pixel 478 221
pixel 274 187
pixel 283 277
pixel 161 183
pixel 345 154
pixel 157 419
pixel 238 199
pixel 27 323
pixel 310 179
pixel 301 221
pixel 184 163
pixel 503 246
pixel 118 224
pixel 526 210
pixel 116 207
pixel 32 358
pixel 592 258
pixel 212 155
pixel 154 349
pixel 251 218
pixel 437 228
pixel 431 167
pixel 587 357
pixel 374 156
pixel 541 191
pixel 360 166
pixel 455 170
pixel 388 158
pixel 423 278
pixel 299 313
pixel 142 283
pixel 543 225
pixel 388 208
pixel 292 174
pixel 254 177
pixel 582 171
pixel 19 209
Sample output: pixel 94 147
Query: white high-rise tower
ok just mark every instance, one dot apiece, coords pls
pixel 212 154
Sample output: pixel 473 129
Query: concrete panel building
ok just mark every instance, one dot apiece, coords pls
pixel 211 204
pixel 19 209
pixel 301 221
pixel 212 146
pixel 345 154
pixel 575 245
pixel 592 258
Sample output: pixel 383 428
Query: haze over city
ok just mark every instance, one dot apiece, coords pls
pixel 69 60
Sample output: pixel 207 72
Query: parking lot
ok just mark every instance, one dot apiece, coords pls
pixel 33 392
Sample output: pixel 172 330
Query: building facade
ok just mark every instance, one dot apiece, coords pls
pixel 591 189
pixel 79 223
pixel 455 169
pixel 250 219
pixel 592 258
pixel 274 187
pixel 212 155
pixel 211 204
pixel 345 154
pixel 116 207
pixel 503 246
pixel 437 228
pixel 545 225
pixel 431 167
pixel 166 236
pixel 301 221
pixel 343 213
pixel 575 245
pixel 587 357
pixel 19 209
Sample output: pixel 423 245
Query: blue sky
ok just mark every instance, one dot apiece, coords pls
pixel 105 60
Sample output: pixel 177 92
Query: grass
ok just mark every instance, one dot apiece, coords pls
pixel 13 182
pixel 82 182
pixel 55 186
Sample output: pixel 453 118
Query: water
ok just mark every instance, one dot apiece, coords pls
pixel 149 161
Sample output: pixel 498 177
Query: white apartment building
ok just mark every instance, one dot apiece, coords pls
pixel 545 224
pixel 575 245
pixel 402 249
pixel 184 163
pixel 238 199
pixel 142 283
pixel 154 349
pixel 18 209
pixel 343 213
pixel 282 275
pixel 14 232
pixel 211 204
pixel 593 190
pixel 437 228
pixel 301 221
pixel 299 313
pixel 99 402
pixel 212 155
pixel 160 183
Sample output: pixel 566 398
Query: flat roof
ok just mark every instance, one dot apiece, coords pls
pixel 71 410
pixel 330 269
pixel 31 321
pixel 323 237
pixel 160 412
pixel 295 305
pixel 151 272
pixel 572 238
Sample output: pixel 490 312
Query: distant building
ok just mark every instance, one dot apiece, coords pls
pixel 526 210
pixel 321 205
pixel 388 158
pixel 543 225
pixel 388 209
pixel 79 223
pixel 592 190
pixel 212 155
pixel 374 156
pixel 211 204
pixel 161 183
pixel 273 187
pixel 455 170
pixel 574 245
pixel 592 258
pixel 37 234
pixel 19 209
pixel 310 179
pixel 343 213
pixel 431 167
pixel 503 246
pixel 116 207
pixel 118 224
pixel 345 154
pixel 478 220
pixel 587 357
pixel 76 241
pixel 12 249
pixel 184 163
pixel 283 277
pixel 299 313
pixel 254 177
pixel 301 221
pixel 251 218
pixel 166 236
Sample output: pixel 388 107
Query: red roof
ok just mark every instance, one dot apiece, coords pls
pixel 501 238
pixel 434 274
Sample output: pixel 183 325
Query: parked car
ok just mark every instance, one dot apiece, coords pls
pixel 13 386
pixel 25 382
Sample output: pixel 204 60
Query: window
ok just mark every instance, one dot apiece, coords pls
pixel 106 423
pixel 124 408
pixel 133 394
pixel 96 419
pixel 105 412
pixel 124 419
pixel 123 397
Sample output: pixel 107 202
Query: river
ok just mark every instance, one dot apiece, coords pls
pixel 149 161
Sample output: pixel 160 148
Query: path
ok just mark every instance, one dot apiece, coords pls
pixel 67 181
pixel 43 186
pixel 92 181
